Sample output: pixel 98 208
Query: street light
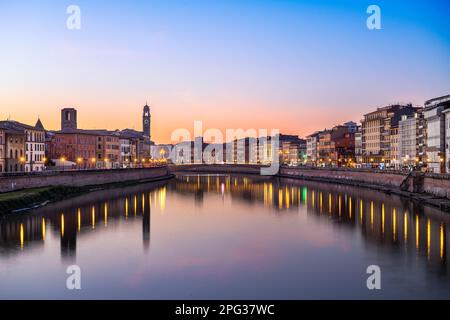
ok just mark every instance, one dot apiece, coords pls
pixel 63 160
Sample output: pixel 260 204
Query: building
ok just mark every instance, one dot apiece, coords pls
pixel 311 148
pixel 161 151
pixel 69 119
pixel 34 143
pixel 358 147
pixel 15 150
pixel 435 111
pixel 77 146
pixel 2 150
pixel 128 149
pixel 446 112
pixel 146 122
pixel 292 149
pixel 100 148
pixel 393 153
pixel 336 147
pixel 410 138
pixel 377 135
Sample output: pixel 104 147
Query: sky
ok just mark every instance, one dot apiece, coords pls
pixel 296 66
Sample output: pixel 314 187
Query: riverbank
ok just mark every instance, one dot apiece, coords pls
pixel 32 198
pixel 429 189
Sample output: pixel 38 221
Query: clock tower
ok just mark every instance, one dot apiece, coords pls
pixel 146 119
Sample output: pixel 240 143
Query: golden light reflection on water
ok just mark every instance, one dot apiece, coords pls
pixel 106 214
pixel 441 241
pixel 394 224
pixel 417 231
pixel 377 219
pixel 93 217
pixel 371 215
pixel 79 219
pixel 62 225
pixel 43 229
pixel 405 226
pixel 428 237
pixel 21 236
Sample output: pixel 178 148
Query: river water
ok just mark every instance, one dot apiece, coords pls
pixel 227 237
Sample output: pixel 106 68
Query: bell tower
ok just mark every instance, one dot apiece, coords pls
pixel 68 118
pixel 146 120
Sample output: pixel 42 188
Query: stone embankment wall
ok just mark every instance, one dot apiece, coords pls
pixel 81 178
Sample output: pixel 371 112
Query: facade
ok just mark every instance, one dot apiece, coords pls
pixel 447 140
pixel 128 153
pixel 291 149
pixel 107 150
pixel 161 151
pixel 146 122
pixel 410 140
pixel 377 135
pixel 34 143
pixel 15 151
pixel 358 147
pixel 311 148
pixel 393 153
pixel 434 115
pixel 2 150
pixel 78 147
pixel 68 119
pixel 336 147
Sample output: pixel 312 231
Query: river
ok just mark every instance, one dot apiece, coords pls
pixel 227 237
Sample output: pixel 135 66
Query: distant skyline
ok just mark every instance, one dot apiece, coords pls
pixel 297 66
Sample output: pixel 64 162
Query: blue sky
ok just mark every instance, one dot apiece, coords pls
pixel 293 65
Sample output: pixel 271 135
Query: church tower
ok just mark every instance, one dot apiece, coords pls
pixel 146 119
pixel 68 119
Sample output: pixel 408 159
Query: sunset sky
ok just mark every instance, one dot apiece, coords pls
pixel 297 66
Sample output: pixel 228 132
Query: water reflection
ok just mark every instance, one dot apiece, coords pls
pixel 406 228
pixel 75 218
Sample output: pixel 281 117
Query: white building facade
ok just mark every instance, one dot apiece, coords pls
pixel 434 116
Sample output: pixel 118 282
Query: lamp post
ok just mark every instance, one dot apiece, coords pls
pixel 63 160
pixel 79 161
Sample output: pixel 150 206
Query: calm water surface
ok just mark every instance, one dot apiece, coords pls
pixel 222 236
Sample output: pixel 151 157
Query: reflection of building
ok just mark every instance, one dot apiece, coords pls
pixel 81 216
pixel 435 133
